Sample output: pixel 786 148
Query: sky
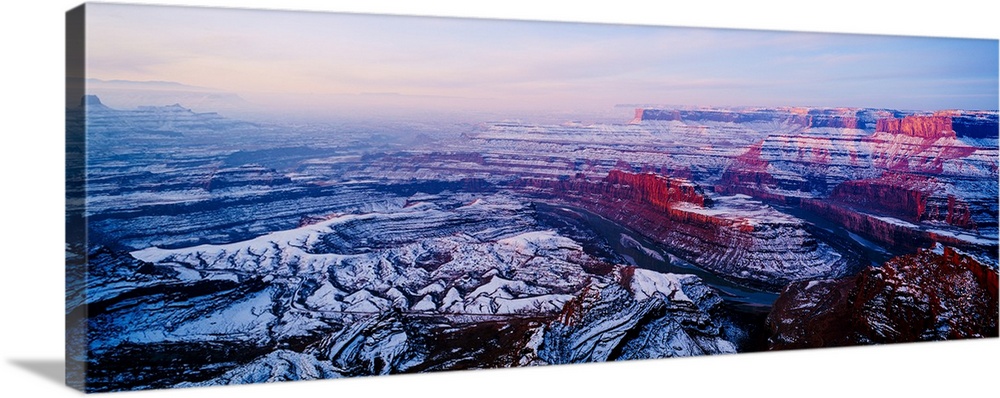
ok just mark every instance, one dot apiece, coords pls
pixel 322 61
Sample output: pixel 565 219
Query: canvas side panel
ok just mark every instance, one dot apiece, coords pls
pixel 76 189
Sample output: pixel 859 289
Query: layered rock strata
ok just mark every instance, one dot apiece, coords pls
pixel 741 239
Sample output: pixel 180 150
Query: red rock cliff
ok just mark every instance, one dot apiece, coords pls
pixel 658 190
pixel 646 189
pixel 661 209
pixel 931 127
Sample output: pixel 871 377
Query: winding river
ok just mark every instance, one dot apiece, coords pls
pixel 642 252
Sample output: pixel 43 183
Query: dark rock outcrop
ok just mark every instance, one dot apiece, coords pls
pixel 917 297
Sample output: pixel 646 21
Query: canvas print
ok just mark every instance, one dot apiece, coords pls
pixel 258 196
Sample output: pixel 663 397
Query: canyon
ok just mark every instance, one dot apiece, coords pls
pixel 218 251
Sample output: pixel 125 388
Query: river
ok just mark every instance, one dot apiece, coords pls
pixel 875 254
pixel 642 252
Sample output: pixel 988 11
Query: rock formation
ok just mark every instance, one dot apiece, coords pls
pixel 917 297
pixel 929 127
pixel 739 238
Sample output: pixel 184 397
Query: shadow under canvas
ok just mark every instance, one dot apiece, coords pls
pixel 50 369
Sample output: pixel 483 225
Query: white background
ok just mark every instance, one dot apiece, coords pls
pixel 31 248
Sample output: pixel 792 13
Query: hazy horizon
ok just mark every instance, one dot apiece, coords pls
pixel 320 64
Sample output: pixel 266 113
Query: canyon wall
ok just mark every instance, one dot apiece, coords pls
pixel 917 126
pixel 743 240
pixel 907 196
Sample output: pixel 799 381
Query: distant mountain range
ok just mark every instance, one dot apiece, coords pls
pixel 128 94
